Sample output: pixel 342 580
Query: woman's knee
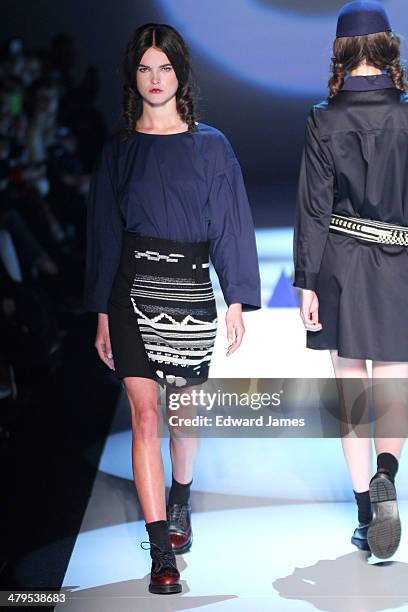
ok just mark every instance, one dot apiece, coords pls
pixel 144 406
pixel 145 419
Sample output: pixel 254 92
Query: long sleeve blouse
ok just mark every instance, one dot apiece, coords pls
pixel 185 186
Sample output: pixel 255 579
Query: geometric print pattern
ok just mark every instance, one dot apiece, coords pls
pixel 167 290
pixel 155 256
pixel 370 230
pixel 177 316
pixel 187 344
pixel 171 257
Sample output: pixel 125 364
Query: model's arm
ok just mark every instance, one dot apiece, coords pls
pixel 103 246
pixel 313 211
pixel 313 207
pixel 102 340
pixel 232 245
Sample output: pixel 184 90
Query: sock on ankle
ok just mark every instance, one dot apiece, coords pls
pixel 179 493
pixel 159 533
pixel 389 462
pixel 364 506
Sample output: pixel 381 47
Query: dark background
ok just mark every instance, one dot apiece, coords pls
pixel 265 128
pixel 57 399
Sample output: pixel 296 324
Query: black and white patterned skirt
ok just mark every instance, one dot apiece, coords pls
pixel 162 311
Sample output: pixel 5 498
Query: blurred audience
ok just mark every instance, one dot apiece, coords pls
pixel 50 135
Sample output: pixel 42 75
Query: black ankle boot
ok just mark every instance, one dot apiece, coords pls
pixel 384 532
pixel 359 537
pixel 164 575
pixel 179 519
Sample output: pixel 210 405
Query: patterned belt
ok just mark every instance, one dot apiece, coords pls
pixel 369 230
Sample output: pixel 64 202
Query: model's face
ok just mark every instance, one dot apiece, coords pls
pixel 155 77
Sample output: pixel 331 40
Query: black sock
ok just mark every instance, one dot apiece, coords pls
pixel 179 493
pixel 159 533
pixel 389 462
pixel 364 506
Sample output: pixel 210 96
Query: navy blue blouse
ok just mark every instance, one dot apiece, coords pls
pixel 185 186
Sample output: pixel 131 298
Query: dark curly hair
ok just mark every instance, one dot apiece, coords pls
pixel 167 39
pixel 381 50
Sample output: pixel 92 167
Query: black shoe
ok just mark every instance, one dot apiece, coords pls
pixel 384 532
pixel 179 519
pixel 359 537
pixel 164 575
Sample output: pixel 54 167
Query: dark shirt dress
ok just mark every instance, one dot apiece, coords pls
pixel 355 163
pixel 186 187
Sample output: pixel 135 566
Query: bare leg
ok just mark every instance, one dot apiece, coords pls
pixel 183 447
pixel 356 448
pixel 390 402
pixel 148 472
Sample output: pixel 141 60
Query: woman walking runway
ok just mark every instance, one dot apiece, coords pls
pixel 350 246
pixel 167 196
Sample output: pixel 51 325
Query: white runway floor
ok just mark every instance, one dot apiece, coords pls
pixel 272 518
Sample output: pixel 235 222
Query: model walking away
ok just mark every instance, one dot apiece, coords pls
pixel 167 195
pixel 350 246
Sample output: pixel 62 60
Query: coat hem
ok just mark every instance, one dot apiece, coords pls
pixel 348 356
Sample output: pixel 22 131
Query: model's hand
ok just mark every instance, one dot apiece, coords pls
pixel 102 340
pixel 309 310
pixel 235 327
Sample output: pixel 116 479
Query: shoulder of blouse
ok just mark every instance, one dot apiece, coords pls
pixel 318 110
pixel 320 117
pixel 219 148
pixel 113 143
pixel 112 147
pixel 213 144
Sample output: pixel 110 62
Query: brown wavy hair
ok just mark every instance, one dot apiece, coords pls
pixel 167 39
pixel 381 50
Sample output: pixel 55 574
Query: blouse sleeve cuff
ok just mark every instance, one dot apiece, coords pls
pixel 305 280
pixel 89 306
pixel 248 301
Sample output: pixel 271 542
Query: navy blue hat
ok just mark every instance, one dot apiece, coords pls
pixel 358 18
